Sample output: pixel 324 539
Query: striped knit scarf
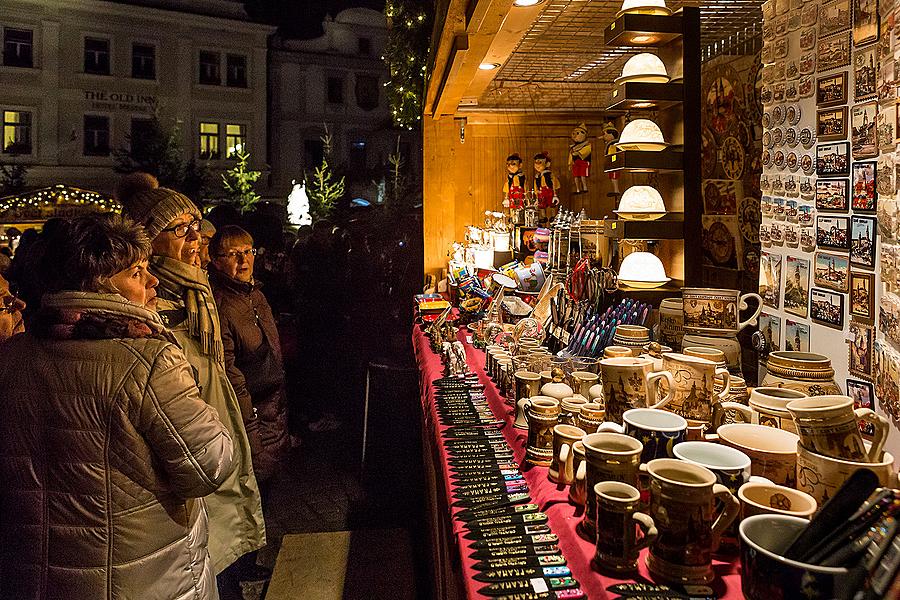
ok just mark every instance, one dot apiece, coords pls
pixel 191 285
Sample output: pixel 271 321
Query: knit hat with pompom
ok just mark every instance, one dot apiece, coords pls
pixel 152 206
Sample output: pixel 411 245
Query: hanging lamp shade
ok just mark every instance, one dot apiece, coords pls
pixel 641 134
pixel 641 203
pixel 642 270
pixel 645 68
pixel 644 7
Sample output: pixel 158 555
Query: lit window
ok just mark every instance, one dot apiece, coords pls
pixel 209 141
pixel 96 56
pixel 16 132
pixel 209 68
pixel 18 47
pixel 143 61
pixel 236 75
pixel 235 140
pixel 96 135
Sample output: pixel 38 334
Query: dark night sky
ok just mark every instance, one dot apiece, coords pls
pixel 303 18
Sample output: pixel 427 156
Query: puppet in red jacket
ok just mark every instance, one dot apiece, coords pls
pixel 580 158
pixel 514 188
pixel 545 182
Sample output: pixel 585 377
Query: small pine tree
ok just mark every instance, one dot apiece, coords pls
pixel 238 183
pixel 323 189
pixel 395 192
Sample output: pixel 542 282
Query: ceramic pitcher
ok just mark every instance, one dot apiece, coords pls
pixel 631 383
pixel 694 385
pixel 828 425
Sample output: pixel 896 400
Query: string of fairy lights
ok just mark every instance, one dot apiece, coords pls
pixel 406 55
pixel 59 194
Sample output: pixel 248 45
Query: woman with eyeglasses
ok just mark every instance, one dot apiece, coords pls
pixel 252 358
pixel 106 446
pixel 187 307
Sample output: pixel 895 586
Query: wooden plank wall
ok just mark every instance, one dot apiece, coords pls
pixel 461 181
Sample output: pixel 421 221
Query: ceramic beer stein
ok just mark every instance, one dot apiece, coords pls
pixel 671 322
pixel 633 337
pixel 682 504
pixel 759 498
pixel 562 468
pixel 528 384
pixel 694 382
pixel 829 425
pixel 767 407
pixel 577 492
pixel 821 476
pixel 583 381
pixel 630 383
pixel 590 417
pixel 609 457
pixel 617 352
pixel 569 409
pixel 773 452
pixel 542 414
pixel 658 430
pixel 557 388
pixel 618 545
pixel 805 372
pixel 714 312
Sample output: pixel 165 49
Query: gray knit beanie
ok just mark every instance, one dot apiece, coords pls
pixel 154 207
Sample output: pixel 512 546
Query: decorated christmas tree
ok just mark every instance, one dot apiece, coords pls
pixel 406 54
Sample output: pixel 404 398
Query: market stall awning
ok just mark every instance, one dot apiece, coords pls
pixel 54 201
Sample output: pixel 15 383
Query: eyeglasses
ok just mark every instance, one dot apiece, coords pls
pixel 182 230
pixel 233 254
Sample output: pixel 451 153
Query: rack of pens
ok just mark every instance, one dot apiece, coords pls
pixel 585 328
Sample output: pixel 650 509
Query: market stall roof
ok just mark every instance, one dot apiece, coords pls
pixel 54 201
pixel 551 56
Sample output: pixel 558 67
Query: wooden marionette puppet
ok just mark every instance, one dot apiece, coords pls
pixel 580 158
pixel 610 137
pixel 514 188
pixel 545 183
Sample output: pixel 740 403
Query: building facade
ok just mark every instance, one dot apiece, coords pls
pixel 336 80
pixel 77 78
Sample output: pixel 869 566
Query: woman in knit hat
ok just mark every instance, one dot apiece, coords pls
pixel 186 305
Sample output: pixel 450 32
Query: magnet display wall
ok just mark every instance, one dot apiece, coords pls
pixel 830 264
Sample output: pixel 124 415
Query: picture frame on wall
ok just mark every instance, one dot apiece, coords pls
pixel 865 21
pixel 833 195
pixel 834 52
pixel 770 279
pixel 863 397
pixel 862 296
pixel 826 308
pixel 834 17
pixel 832 232
pixel 860 351
pixel 796 286
pixel 862 241
pixel 831 90
pixel 833 160
pixel 863 130
pixel 831 124
pixel 770 328
pixel 865 73
pixel 864 195
pixel 796 336
pixel 832 271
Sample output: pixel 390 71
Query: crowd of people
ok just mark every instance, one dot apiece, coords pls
pixel 144 406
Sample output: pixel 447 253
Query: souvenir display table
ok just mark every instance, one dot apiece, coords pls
pixel 454 570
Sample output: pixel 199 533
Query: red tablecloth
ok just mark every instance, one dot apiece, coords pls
pixel 552 498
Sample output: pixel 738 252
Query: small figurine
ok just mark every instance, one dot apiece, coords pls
pixel 580 158
pixel 514 188
pixel 545 183
pixel 611 136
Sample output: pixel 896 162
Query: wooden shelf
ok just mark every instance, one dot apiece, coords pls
pixel 664 161
pixel 635 95
pixel 669 227
pixel 643 30
pixel 673 287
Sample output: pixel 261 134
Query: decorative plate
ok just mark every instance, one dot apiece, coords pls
pixel 807 164
pixel 807 139
pixel 766 120
pixel 778 136
pixel 766 158
pixel 731 157
pixel 708 151
pixel 790 137
pixel 750 219
pixel 791 161
pixel 778 115
pixel 793 114
pixel 767 139
pixel 778 159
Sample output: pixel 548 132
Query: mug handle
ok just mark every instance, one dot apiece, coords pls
pixel 881 431
pixel 610 426
pixel 670 390
pixel 563 454
pixel 720 409
pixel 729 513
pixel 727 377
pixel 648 530
pixel 742 304
pixel 581 472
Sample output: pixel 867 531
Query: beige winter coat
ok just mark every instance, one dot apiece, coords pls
pixel 106 450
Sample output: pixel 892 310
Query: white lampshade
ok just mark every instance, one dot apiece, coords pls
pixel 641 202
pixel 644 7
pixel 641 134
pixel 500 240
pixel 644 67
pixel 483 257
pixel 642 270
